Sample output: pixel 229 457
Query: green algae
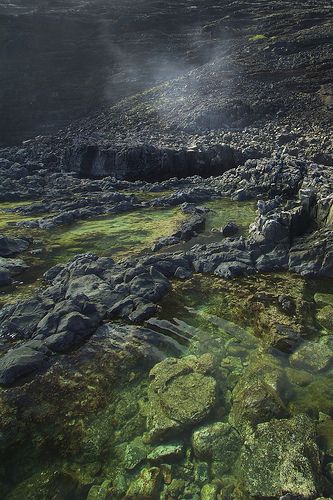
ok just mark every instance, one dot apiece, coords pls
pixel 118 236
pixel 149 195
pixel 97 436
pixel 224 211
pixel 81 446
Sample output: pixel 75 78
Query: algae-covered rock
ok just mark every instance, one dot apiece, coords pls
pixel 181 394
pixel 146 486
pixel 281 457
pixel 325 317
pixel 175 488
pixel 167 453
pixel 312 356
pixel 209 491
pixel 255 402
pixel 135 453
pixel 323 299
pixel 101 492
pixel 48 484
pixel 218 442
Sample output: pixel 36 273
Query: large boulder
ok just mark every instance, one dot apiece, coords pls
pixel 313 356
pixel 181 393
pixel 12 246
pixel 219 443
pixel 22 361
pixel 281 458
pixel 255 402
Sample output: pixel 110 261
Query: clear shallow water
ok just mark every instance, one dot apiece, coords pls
pixel 84 441
pixel 118 236
pixel 67 448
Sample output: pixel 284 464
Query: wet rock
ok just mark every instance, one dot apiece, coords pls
pixel 167 453
pixel 254 403
pixel 312 356
pixel 325 317
pixel 12 246
pixel 100 492
pixel 230 229
pixel 281 457
pixel 5 278
pixel 218 442
pixel 147 485
pixel 135 453
pixel 22 361
pixel 181 393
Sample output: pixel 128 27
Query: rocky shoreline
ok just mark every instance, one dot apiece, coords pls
pixel 198 366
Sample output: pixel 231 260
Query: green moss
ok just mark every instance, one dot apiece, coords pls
pixel 224 211
pixel 117 236
pixel 258 37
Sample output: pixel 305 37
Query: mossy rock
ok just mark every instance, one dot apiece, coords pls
pixel 218 442
pixel 325 318
pixel 181 394
pixel 312 356
pixel 146 486
pixel 281 456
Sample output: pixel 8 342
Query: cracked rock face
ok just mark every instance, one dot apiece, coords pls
pixel 182 393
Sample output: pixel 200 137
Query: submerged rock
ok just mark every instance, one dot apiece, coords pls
pixel 182 392
pixel 312 356
pixel 325 317
pixel 281 457
pixel 255 402
pixel 135 453
pixel 167 453
pixel 146 486
pixel 218 442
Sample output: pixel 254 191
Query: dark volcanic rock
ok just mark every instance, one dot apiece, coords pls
pixel 12 246
pixel 22 361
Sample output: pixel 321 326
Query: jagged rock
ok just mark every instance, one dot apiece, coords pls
pixel 181 393
pixel 281 457
pixel 230 229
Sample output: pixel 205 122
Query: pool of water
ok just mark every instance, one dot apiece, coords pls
pixel 87 439
pixel 118 236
